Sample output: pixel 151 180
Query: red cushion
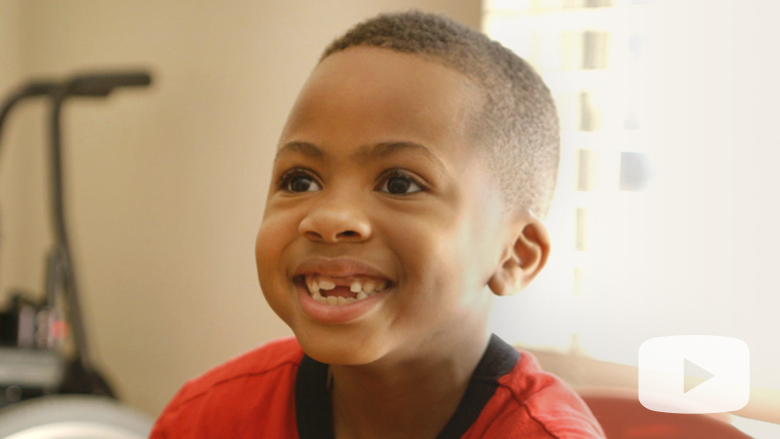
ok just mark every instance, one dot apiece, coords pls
pixel 623 417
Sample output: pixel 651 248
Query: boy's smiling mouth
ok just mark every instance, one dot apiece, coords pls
pixel 342 290
pixel 338 282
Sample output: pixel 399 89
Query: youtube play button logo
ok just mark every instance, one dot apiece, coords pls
pixel 694 374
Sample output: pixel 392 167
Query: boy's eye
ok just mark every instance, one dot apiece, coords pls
pixel 298 181
pixel 398 182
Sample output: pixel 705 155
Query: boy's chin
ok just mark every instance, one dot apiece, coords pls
pixel 339 350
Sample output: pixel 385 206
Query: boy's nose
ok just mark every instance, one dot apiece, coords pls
pixel 335 223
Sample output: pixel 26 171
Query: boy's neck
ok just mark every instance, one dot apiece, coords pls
pixel 403 399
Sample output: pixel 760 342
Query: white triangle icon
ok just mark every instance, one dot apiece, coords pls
pixel 694 375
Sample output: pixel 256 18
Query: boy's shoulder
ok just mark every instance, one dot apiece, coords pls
pixel 530 402
pixel 285 354
pixel 253 386
pixel 251 392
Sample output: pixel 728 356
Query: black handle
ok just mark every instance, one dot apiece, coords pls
pixel 90 84
pixel 102 84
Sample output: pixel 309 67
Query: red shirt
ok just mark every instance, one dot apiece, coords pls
pixel 276 391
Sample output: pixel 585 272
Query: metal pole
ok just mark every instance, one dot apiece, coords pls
pixel 62 247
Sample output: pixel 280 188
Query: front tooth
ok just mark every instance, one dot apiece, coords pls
pixel 355 287
pixel 368 287
pixel 327 285
pixel 342 300
pixel 332 300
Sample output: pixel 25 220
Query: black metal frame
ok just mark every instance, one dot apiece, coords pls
pixel 81 376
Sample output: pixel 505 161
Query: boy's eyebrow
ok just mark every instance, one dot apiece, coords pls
pixel 304 148
pixel 364 153
pixel 384 149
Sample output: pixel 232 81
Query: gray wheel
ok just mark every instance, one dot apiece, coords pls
pixel 72 417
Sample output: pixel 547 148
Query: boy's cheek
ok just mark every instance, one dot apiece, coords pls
pixel 276 228
pixel 271 240
pixel 270 269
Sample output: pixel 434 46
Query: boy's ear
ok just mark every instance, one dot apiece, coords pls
pixel 524 256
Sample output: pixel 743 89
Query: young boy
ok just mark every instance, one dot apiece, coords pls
pixel 403 198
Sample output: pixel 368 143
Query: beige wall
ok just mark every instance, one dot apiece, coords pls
pixel 166 185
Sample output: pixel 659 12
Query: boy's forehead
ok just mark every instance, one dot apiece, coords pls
pixel 365 91
pixel 423 68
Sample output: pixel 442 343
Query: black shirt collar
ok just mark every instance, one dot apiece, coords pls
pixel 312 398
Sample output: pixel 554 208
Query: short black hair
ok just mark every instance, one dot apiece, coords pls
pixel 518 124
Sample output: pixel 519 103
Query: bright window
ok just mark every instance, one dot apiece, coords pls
pixel 666 218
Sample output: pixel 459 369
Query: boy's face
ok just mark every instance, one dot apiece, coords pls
pixel 376 184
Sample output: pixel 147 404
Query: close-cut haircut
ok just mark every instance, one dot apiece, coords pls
pixel 517 126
